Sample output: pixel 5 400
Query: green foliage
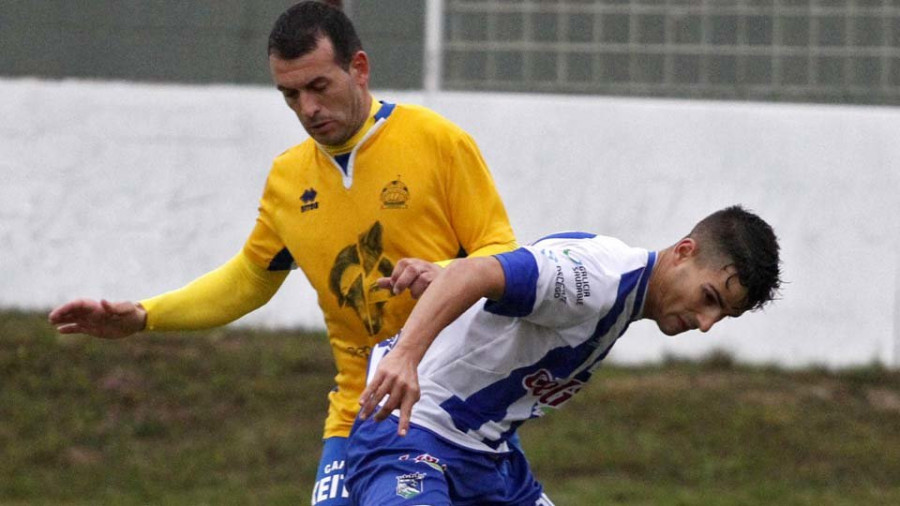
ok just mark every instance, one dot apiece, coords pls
pixel 234 416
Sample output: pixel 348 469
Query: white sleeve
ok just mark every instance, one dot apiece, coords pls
pixel 558 284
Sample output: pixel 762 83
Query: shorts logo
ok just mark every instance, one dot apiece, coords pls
pixel 309 200
pixel 432 462
pixel 394 195
pixel 410 485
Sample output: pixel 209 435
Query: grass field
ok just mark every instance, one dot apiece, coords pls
pixel 234 417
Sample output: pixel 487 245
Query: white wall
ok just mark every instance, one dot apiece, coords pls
pixel 123 190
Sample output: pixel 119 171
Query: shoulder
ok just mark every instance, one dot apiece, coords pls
pixel 427 121
pixel 285 167
pixel 297 152
pixel 597 252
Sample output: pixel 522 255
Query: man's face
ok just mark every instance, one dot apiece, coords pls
pixel 331 103
pixel 697 294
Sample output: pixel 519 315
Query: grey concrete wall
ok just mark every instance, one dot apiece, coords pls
pixel 196 41
pixel 123 191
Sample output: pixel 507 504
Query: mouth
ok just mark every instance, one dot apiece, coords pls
pixel 320 126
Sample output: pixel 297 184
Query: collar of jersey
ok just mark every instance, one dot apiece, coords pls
pixel 374 112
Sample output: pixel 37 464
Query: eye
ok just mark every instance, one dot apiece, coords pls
pixel 289 94
pixel 318 85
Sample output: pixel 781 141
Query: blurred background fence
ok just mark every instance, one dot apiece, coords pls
pixel 833 51
pixel 844 51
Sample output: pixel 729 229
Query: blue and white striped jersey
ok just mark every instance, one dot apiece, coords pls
pixel 568 297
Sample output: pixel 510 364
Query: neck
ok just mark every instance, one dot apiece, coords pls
pixel 365 111
pixel 370 107
pixel 654 285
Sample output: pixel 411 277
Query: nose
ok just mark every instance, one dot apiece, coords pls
pixel 307 105
pixel 706 320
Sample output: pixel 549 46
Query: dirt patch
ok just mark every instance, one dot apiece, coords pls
pixel 883 399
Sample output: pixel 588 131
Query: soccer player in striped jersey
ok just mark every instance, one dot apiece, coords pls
pixel 498 340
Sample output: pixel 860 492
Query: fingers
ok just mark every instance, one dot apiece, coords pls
pixel 400 395
pixel 406 411
pixel 71 310
pixel 413 274
pixel 366 401
pixel 390 404
pixel 419 286
pixel 114 308
pixel 71 329
pixel 108 320
pixel 373 394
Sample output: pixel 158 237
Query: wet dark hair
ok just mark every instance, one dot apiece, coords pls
pixel 747 243
pixel 298 30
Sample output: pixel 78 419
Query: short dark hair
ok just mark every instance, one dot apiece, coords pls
pixel 298 30
pixel 747 243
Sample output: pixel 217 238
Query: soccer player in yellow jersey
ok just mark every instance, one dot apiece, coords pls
pixel 375 183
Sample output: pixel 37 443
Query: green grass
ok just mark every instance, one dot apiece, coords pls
pixel 234 417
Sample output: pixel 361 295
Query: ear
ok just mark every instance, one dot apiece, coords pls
pixel 359 68
pixel 684 250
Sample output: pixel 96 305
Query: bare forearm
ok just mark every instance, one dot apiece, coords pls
pixel 455 290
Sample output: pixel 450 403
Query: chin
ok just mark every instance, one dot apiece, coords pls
pixel 670 330
pixel 666 330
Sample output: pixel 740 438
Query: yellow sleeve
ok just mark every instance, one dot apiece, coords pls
pixel 490 249
pixel 216 298
pixel 477 212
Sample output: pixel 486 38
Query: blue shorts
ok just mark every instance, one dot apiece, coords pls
pixel 384 469
pixel 329 489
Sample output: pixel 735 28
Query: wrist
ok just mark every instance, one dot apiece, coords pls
pixel 142 316
pixel 408 348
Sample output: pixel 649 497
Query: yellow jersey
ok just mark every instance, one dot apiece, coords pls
pixel 412 184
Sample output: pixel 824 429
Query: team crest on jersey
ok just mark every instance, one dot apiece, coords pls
pixel 309 200
pixel 353 276
pixel 410 485
pixel 394 195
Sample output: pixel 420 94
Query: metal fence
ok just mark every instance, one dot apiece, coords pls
pixel 844 51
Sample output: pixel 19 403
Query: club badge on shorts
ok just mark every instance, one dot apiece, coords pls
pixel 410 485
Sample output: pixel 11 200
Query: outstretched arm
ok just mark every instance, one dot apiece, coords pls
pixel 455 289
pixel 216 298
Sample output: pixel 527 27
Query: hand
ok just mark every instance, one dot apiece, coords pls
pixel 411 273
pixel 396 376
pixel 104 319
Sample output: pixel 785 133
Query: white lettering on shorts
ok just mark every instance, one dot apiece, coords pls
pixel 543 500
pixel 330 486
